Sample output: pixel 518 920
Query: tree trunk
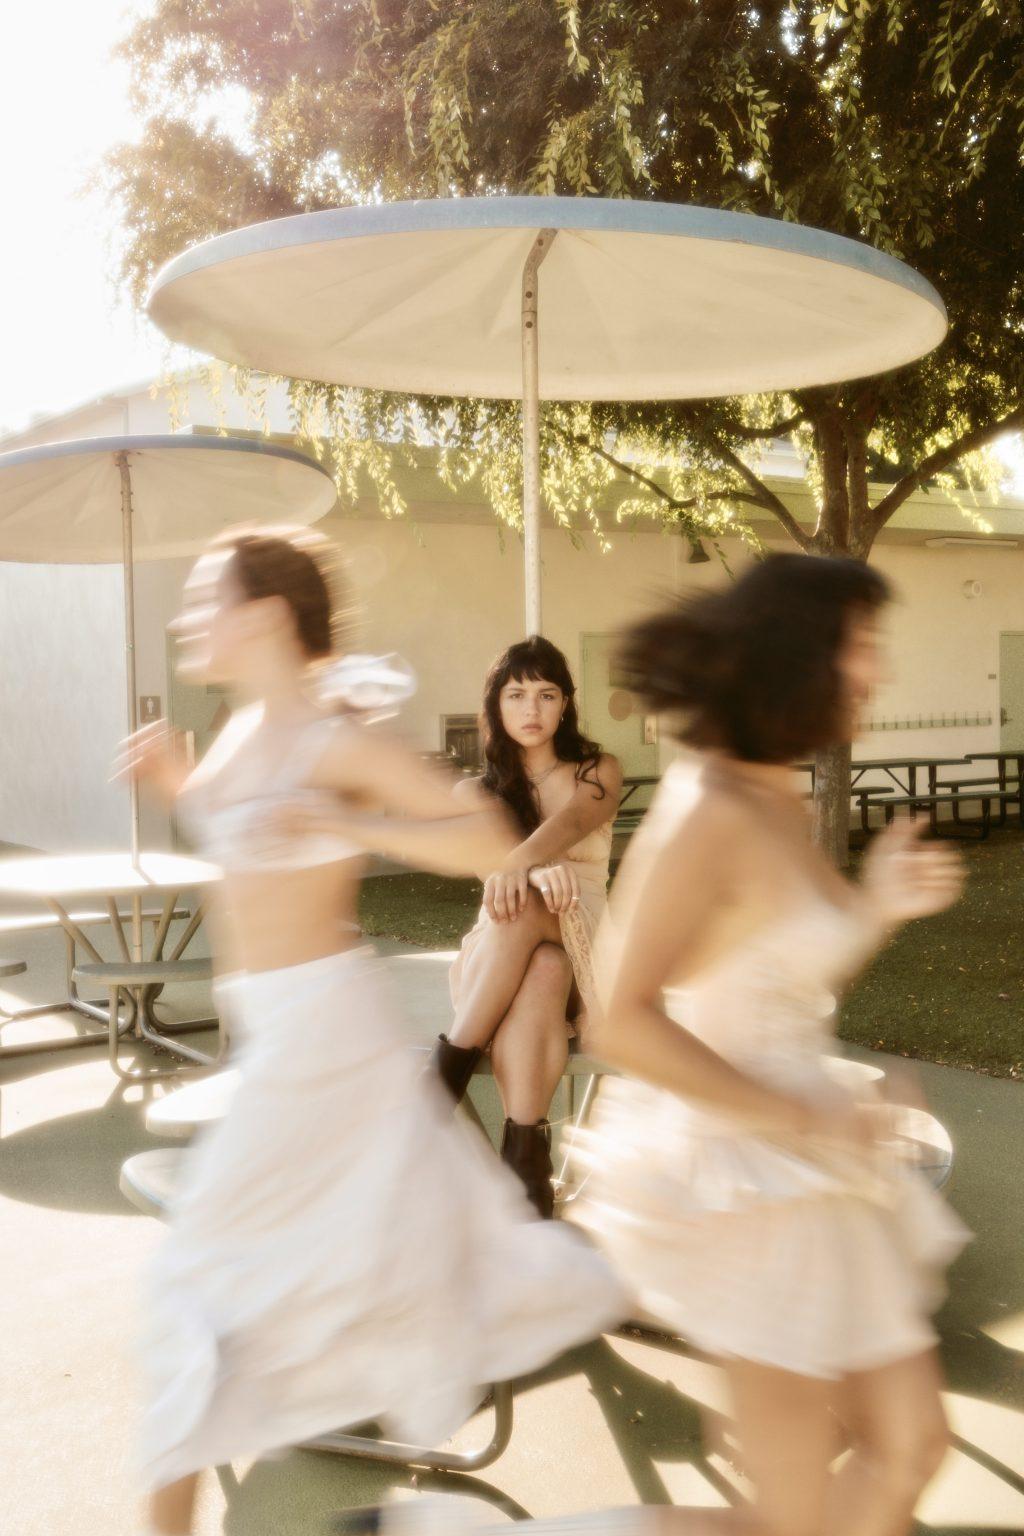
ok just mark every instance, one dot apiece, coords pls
pixel 832 803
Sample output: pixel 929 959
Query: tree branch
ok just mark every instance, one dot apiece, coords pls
pixel 941 459
pixel 758 495
pixel 775 429
pixel 763 497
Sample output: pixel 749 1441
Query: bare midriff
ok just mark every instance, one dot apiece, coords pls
pixel 265 920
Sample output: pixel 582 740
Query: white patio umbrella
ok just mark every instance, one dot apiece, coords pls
pixel 106 499
pixel 638 301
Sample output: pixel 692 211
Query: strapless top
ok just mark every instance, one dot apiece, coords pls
pixel 770 1007
pixel 240 834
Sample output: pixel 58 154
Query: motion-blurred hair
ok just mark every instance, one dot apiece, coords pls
pixel 752 669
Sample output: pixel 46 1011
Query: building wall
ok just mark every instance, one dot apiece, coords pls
pixel 448 597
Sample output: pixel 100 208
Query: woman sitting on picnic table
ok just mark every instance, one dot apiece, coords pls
pixel 523 981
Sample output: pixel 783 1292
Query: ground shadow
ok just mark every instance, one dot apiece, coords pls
pixel 73 1162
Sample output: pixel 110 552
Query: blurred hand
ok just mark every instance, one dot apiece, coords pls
pixel 150 756
pixel 558 886
pixel 856 1125
pixel 903 879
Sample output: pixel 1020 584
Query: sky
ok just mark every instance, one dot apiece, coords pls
pixel 65 336
pixel 63 102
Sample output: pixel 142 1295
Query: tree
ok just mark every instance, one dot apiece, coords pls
pixel 895 121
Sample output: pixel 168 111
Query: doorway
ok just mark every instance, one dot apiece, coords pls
pixel 610 714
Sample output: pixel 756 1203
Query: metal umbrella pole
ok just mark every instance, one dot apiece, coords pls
pixel 531 430
pixel 128 559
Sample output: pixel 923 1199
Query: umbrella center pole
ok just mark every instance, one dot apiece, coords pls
pixel 531 429
pixel 128 560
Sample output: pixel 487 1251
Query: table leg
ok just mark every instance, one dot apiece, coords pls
pixel 933 780
pixel 149 1026
pixel 74 939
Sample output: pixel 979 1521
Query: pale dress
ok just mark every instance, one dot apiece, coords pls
pixel 343 1247
pixel 805 1258
pixel 590 860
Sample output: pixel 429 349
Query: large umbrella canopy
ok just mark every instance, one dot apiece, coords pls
pixel 548 298
pixel 112 498
pixel 638 301
pixel 61 503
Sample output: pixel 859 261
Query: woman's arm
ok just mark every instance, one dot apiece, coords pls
pixel 590 807
pixel 662 937
pixel 413 813
pixel 154 758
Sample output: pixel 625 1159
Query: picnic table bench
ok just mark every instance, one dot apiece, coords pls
pixel 932 803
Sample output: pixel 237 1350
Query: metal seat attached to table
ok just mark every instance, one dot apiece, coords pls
pixel 121 977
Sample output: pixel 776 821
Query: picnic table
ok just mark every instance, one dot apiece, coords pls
pixel 637 781
pixel 1002 759
pixel 894 766
pixel 60 881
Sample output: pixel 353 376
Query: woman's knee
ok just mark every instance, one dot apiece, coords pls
pixel 549 968
pixel 908 1458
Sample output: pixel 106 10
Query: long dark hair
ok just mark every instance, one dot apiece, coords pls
pixel 753 669
pixel 504 775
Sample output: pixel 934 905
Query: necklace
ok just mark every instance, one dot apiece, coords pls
pixel 539 778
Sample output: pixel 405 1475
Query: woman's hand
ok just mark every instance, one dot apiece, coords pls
pixel 903 880
pixel 505 895
pixel 558 886
pixel 152 756
pixel 856 1125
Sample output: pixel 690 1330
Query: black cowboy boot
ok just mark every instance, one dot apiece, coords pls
pixel 527 1151
pixel 454 1065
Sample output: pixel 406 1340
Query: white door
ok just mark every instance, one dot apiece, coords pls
pixel 1011 691
pixel 610 715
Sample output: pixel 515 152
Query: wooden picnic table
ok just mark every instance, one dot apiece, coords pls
pixel 635 782
pixel 1001 759
pixel 893 766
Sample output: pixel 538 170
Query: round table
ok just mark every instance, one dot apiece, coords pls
pixel 60 881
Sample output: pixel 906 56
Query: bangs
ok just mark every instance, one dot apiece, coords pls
pixel 529 672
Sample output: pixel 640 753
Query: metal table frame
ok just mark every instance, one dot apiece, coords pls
pixel 140 1018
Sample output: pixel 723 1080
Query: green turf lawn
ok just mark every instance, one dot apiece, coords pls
pixel 949 989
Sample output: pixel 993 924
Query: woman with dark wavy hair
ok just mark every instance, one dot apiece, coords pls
pixel 523 980
pixel 757 1201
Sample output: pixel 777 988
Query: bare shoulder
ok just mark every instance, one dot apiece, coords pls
pixel 694 821
pixel 601 778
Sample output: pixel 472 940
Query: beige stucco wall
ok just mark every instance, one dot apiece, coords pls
pixel 448 597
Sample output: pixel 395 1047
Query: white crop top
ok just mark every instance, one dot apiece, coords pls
pixel 238 834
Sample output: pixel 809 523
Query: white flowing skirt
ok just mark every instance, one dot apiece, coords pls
pixel 344 1248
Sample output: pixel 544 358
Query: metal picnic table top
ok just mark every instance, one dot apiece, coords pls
pixel 53 877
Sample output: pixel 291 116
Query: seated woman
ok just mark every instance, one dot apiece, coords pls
pixel 522 983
